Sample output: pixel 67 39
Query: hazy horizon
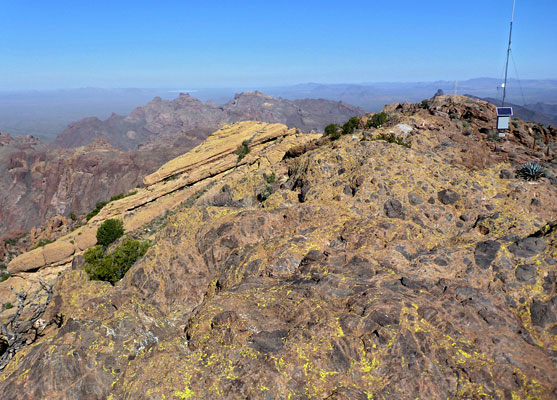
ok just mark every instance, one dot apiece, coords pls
pixel 185 89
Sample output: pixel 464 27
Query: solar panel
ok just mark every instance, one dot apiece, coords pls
pixel 504 111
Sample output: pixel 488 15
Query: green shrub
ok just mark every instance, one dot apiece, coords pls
pixel 112 267
pixel 11 241
pixel 96 210
pixel 72 216
pixel 4 276
pixel 265 192
pixel 493 136
pixel 391 138
pixel 42 243
pixel 336 135
pixel 122 195
pixel 377 120
pixel 109 231
pixel 270 178
pixel 117 197
pixel 243 150
pixel 350 126
pixel 331 129
pixel 8 305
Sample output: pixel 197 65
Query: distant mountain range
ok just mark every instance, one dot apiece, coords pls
pixel 45 114
pixel 373 96
pixel 187 115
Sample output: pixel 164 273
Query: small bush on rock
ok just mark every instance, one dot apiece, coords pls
pixel 350 126
pixel 42 243
pixel 270 178
pixel 333 131
pixel 243 150
pixel 96 210
pixel 378 120
pixel 112 267
pixel 390 138
pixel 109 231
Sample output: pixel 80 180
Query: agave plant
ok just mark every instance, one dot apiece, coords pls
pixel 531 171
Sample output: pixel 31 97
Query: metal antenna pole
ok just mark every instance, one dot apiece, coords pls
pixel 508 53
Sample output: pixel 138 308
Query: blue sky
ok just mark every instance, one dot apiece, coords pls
pixel 65 44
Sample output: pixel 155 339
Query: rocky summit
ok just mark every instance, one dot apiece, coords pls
pixel 412 257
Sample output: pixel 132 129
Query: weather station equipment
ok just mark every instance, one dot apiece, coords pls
pixel 504 114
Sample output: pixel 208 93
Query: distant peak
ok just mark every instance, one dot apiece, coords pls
pixel 252 93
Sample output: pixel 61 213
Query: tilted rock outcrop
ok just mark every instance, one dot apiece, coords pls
pixel 38 182
pixel 351 269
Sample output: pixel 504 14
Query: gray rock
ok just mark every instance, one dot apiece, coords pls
pixel 448 196
pixel 528 247
pixel 269 342
pixel 486 252
pixel 506 174
pixel 542 314
pixel 414 199
pixel 393 209
pixel 526 273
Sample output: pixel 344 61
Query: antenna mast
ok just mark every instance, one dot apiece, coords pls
pixel 508 53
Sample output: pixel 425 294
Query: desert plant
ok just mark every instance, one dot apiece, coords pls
pixel 4 276
pixel 265 192
pixel 270 178
pixel 72 216
pixel 112 267
pixel 350 126
pixel 391 138
pixel 243 150
pixel 331 129
pixel 8 305
pixel 123 195
pixel 42 243
pixel 377 120
pixel 109 231
pixel 531 171
pixel 96 210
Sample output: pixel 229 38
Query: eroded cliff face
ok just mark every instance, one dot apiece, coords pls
pixel 366 269
pixel 38 182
